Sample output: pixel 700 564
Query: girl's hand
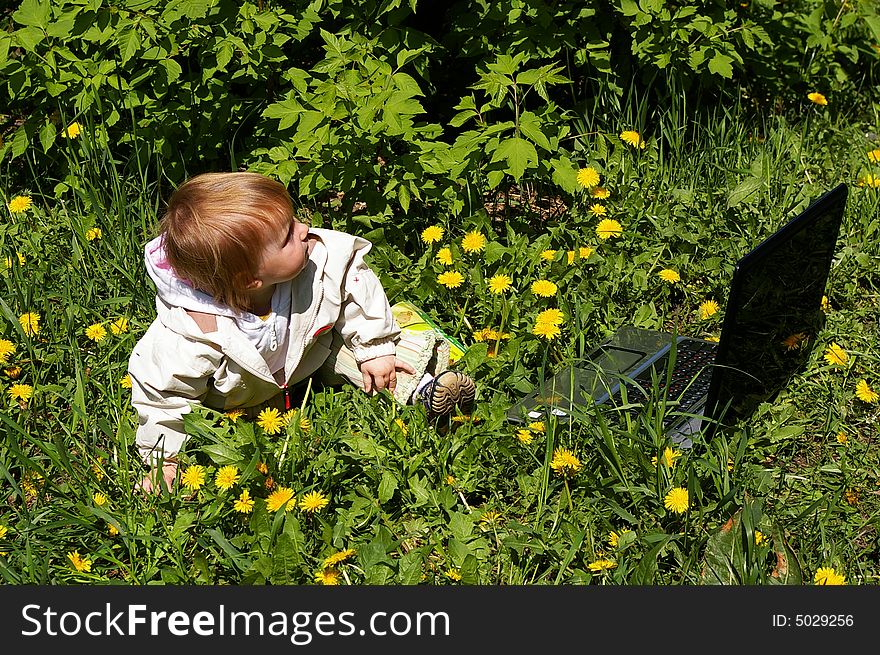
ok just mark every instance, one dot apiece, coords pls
pixel 381 372
pixel 152 482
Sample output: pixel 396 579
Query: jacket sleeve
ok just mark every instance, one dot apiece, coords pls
pixel 366 323
pixel 168 373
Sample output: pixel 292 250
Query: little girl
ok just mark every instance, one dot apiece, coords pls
pixel 250 302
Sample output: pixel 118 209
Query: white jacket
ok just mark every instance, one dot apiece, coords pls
pixel 175 363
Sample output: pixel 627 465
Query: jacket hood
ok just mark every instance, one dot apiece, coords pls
pixel 176 291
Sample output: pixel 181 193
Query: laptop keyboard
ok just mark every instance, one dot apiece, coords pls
pixel 688 383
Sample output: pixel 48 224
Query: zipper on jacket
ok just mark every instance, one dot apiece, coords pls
pixel 286 397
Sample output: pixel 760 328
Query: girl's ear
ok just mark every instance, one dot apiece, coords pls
pixel 253 285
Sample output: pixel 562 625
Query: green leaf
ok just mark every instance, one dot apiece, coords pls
pixel 744 190
pixel 387 486
pixel 530 126
pixel 720 65
pixel 519 155
pixel 494 178
pixel 224 54
pixel 47 136
pixel 20 142
pixel 172 69
pixel 410 568
pixel 564 174
pixel 29 37
pixel 129 42
pixel 629 8
pixel 222 455
pixel 33 12
pixel 403 196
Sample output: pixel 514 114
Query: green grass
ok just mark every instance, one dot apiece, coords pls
pixel 471 504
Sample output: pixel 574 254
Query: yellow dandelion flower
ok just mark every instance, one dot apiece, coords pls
pixel 453 575
pixel 601 565
pixel 826 575
pixel 94 233
pixel 96 332
pixel 633 138
pixel 852 497
pixel 669 457
pixel 100 499
pixel 432 234
pixel 598 209
pixel 500 283
pixel 327 577
pixel 313 502
pixel 244 504
pixel 226 477
pixel 608 228
pixel 193 477
pixel 125 381
pixel 9 261
pixel 544 288
pixel 112 530
pixel 450 279
pixel 21 392
pixel 826 304
pixel 585 252
pixel 869 180
pixel 760 538
pixel 553 316
pixel 119 326
pixel 668 275
pixel 874 156
pixel 835 355
pixel 450 480
pixel 279 498
pixel 708 308
pixel 713 338
pixel 548 255
pixel 97 470
pixel 338 558
pixel 565 462
pixel 524 436
pixel 234 415
pixel 537 426
pixel 402 426
pixel 30 323
pixel 290 418
pixel 842 438
pixel 19 204
pixel 601 193
pixel 444 256
pixel 7 348
pixel 262 468
pixel 588 177
pixel 570 254
pixel 270 420
pixel 676 500
pixel 79 563
pixel 865 393
pixel 473 242
pixel 72 131
pixel 546 330
pixel 817 98
pixel 13 372
pixel 614 537
pixel 490 518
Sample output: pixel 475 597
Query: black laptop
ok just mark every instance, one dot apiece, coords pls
pixel 772 317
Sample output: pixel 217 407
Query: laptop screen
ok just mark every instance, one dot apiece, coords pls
pixel 774 311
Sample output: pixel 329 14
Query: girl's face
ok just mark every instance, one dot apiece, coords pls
pixel 286 257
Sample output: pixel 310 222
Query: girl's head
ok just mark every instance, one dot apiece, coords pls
pixel 216 228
